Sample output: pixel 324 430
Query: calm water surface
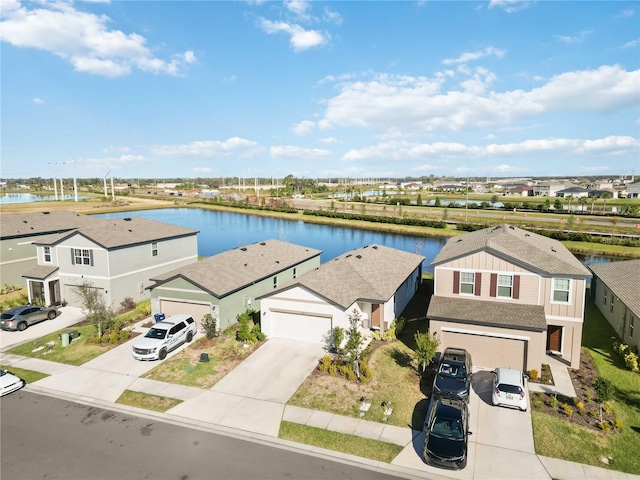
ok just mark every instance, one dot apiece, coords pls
pixel 221 231
pixel 10 198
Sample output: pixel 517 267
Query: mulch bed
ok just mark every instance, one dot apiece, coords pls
pixel 569 408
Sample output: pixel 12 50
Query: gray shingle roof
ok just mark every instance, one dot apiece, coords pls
pixel 489 313
pixel 623 279
pixel 122 232
pixel 234 269
pixel 374 272
pixel 41 223
pixel 527 249
pixel 40 272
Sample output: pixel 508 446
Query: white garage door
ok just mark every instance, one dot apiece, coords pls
pixel 196 310
pixel 487 351
pixel 306 328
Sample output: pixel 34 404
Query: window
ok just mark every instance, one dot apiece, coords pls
pixel 467 281
pixel 47 254
pixel 505 286
pixel 606 293
pixel 82 256
pixel 631 322
pixel 295 272
pixel 561 288
pixel 275 282
pixel 154 249
pixel 611 307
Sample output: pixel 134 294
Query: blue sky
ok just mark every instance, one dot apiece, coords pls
pixel 157 89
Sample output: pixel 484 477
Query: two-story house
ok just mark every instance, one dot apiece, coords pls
pixel 116 256
pixel 509 297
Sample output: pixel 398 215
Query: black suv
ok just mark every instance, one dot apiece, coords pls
pixel 453 379
pixel 447 429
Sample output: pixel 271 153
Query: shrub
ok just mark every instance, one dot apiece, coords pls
pixel 579 405
pixel 607 408
pixel 333 369
pixel 593 413
pixel 127 304
pixel 604 389
pixel 553 401
pixel 567 409
pixel 606 426
pixel 400 324
pixel 347 372
pixel 365 372
pixel 124 335
pixel 325 363
pixel 534 375
pixel 617 423
pixel 391 333
pixel 243 334
pixel 631 361
pixel 337 336
pixel 210 326
pixel 257 333
pixel 114 336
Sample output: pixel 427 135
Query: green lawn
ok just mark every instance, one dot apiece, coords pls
pixel 76 353
pixel 340 442
pixel 147 401
pixel 586 446
pixel 28 376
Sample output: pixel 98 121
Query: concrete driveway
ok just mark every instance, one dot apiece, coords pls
pixel 501 445
pixel 68 317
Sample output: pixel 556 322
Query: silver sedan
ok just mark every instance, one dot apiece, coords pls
pixel 19 318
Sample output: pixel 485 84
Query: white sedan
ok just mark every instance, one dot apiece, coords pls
pixel 9 382
pixel 510 389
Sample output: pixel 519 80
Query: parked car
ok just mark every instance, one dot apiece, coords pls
pixel 19 318
pixel 9 382
pixel 510 388
pixel 447 430
pixel 453 379
pixel 165 336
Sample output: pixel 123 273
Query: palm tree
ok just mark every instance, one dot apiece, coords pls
pixel 582 201
pixel 569 199
pixel 605 196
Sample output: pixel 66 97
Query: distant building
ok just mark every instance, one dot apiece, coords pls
pixel 548 189
pixel 574 192
pixel 633 190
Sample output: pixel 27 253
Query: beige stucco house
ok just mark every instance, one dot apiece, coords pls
pixel 615 289
pixel 509 297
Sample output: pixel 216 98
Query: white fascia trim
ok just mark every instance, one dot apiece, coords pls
pixel 564 319
pixel 177 300
pixel 499 272
pixel 485 334
pixel 182 290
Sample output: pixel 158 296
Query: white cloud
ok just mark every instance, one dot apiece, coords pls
pixel 300 8
pixel 116 149
pixel 631 44
pixel 209 148
pixel 332 16
pixel 299 38
pixel 38 101
pixel 418 106
pixel 510 6
pixel 289 152
pixel 329 140
pixel 83 39
pixel 627 13
pixel 304 128
pixel 472 56
pixel 579 38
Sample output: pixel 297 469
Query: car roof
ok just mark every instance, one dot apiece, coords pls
pixel 19 309
pixel 509 376
pixel 449 408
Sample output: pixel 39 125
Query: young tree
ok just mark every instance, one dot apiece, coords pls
pixel 426 348
pixel 337 337
pixel 353 347
pixel 604 392
pixel 494 199
pixel 94 307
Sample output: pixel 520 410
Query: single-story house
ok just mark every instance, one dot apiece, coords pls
pixel 509 297
pixel 375 281
pixel 228 284
pixel 19 232
pixel 574 192
pixel 615 289
pixel 116 256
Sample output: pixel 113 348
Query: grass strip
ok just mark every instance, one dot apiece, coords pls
pixel 147 401
pixel 339 442
pixel 28 376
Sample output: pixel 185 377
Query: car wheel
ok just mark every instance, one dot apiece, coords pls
pixel 189 336
pixel 163 354
pixel 51 315
pixel 22 326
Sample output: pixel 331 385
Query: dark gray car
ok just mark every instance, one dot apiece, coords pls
pixel 19 318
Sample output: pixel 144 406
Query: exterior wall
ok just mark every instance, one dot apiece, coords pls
pixel 571 340
pixel 171 255
pixel 405 293
pixel 620 317
pixel 574 309
pixel 536 341
pixel 17 255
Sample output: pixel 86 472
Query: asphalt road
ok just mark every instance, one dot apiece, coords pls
pixel 44 437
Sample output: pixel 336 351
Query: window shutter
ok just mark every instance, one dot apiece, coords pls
pixel 73 258
pixel 478 285
pixel 456 281
pixel 494 284
pixel 516 287
pixel 91 257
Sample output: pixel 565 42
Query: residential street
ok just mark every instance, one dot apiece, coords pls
pixel 45 437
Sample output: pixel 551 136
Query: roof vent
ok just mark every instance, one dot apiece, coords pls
pixel 375 247
pixel 46 213
pixel 244 249
pixel 278 262
pixel 459 240
pixel 127 219
pixel 358 257
pixel 511 227
pixel 262 243
pixel 553 249
pixel 245 264
pixel 527 235
pixel 348 256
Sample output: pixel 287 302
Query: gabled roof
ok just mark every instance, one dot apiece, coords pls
pixel 372 273
pixel 42 223
pixel 40 272
pixel 623 279
pixel 489 313
pixel 527 249
pixel 232 270
pixel 573 190
pixel 122 232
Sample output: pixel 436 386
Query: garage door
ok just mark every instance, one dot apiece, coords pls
pixel 487 351
pixel 196 310
pixel 305 328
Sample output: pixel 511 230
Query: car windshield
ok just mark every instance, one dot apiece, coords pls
pixel 7 316
pixel 158 333
pixel 447 427
pixel 452 370
pixel 506 388
pixel 3 373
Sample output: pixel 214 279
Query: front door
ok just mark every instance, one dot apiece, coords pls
pixel 554 338
pixel 375 315
pixel 54 292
